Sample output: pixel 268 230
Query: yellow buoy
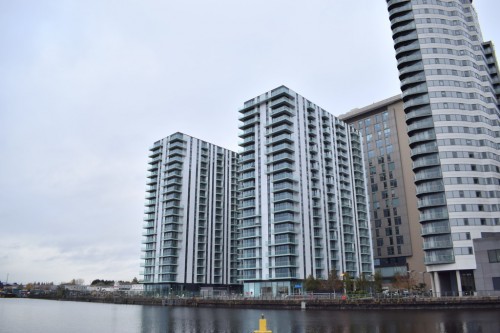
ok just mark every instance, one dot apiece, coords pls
pixel 262 326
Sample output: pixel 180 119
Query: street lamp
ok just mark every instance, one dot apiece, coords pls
pixel 342 275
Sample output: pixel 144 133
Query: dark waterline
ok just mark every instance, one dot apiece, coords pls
pixel 30 316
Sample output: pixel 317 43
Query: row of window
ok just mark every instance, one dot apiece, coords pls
pixel 473 194
pixel 399 241
pixel 474 221
pixel 461 84
pixel 466 118
pixel 474 208
pixel 471 181
pixel 397 221
pixel 448 41
pixel 468 142
pixel 469 154
pixel 471 167
pixel 460 95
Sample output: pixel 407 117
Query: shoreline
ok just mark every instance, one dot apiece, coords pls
pixel 409 303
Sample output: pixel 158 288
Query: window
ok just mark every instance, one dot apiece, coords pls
pixel 494 256
pixel 496 283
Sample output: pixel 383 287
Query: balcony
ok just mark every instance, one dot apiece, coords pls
pixel 285 100
pixel 248 114
pixel 426 188
pixel 246 133
pixel 399 9
pixel 404 38
pixel 441 244
pixel 428 174
pixel 439 259
pixel 431 202
pixel 279 120
pixel 249 122
pixel 425 149
pixel 282 111
pixel 443 215
pixel 426 162
pixel 423 136
pixel 281 91
pixel 406 27
pixel 285 128
pixel 430 229
pixel 416 101
pixel 280 138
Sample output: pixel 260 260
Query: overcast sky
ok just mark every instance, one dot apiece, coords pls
pixel 87 86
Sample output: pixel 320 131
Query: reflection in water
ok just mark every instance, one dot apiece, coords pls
pixel 30 316
pixel 194 320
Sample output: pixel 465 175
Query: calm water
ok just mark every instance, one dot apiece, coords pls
pixel 28 316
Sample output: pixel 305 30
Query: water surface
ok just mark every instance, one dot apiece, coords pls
pixel 30 316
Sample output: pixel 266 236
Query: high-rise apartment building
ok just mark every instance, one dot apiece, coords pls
pixel 397 243
pixel 449 86
pixel 303 208
pixel 190 223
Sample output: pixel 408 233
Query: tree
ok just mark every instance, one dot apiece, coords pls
pixel 134 280
pixel 348 282
pixel 362 283
pixel 401 281
pixel 311 284
pixel 333 283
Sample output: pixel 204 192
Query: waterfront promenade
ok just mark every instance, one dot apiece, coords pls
pixel 309 302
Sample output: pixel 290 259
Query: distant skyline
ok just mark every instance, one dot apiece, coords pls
pixel 87 86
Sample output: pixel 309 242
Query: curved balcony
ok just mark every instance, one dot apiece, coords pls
pixel 411 102
pixel 417 113
pixel 429 188
pixel 401 18
pixel 435 229
pixel 418 67
pixel 420 125
pixel 409 58
pixel 391 3
pixel 408 47
pixel 423 150
pixel 428 135
pixel 399 9
pixel 407 27
pixel 440 215
pixel 426 202
pixel 442 244
pixel 412 36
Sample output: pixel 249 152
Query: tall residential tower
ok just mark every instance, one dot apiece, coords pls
pixel 190 230
pixel 449 86
pixel 303 208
